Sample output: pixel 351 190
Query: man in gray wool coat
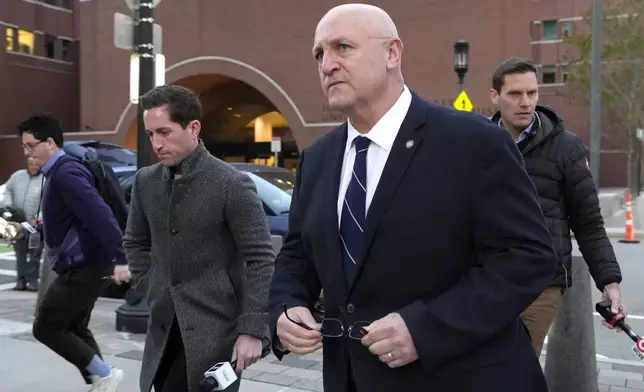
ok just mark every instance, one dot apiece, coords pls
pixel 197 241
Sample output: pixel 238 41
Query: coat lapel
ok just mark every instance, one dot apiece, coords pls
pixel 401 154
pixel 334 159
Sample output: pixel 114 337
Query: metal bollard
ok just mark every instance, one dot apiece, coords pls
pixel 571 364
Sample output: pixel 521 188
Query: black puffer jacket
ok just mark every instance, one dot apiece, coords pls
pixel 556 161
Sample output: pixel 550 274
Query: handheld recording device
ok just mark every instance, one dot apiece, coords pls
pixel 28 227
pixel 218 377
pixel 603 308
pixel 222 375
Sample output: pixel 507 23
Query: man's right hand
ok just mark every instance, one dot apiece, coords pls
pixel 295 338
pixel 10 230
pixel 121 274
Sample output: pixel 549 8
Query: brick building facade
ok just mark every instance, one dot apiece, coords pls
pixel 254 57
pixel 38 69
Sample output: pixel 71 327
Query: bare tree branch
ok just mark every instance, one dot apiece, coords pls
pixel 623 69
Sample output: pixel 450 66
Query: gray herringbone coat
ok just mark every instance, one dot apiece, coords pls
pixel 198 242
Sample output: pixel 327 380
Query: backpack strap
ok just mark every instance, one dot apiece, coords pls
pixel 59 163
pixel 52 172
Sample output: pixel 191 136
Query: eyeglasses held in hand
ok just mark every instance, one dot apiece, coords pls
pixel 333 328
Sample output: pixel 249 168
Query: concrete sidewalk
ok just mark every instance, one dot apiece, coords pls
pixel 27 365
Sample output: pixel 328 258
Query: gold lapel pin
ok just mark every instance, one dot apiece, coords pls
pixel 409 144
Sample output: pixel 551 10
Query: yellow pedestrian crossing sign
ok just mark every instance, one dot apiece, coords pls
pixel 463 102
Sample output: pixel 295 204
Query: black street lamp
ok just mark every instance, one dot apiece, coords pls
pixel 132 315
pixel 145 47
pixel 461 61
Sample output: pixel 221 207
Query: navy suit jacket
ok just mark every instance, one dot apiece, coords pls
pixel 455 241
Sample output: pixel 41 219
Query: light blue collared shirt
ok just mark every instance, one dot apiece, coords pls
pixel 50 162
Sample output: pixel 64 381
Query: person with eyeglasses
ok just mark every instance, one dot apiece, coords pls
pixel 420 225
pixel 84 245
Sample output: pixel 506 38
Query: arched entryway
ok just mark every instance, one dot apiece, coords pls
pixel 238 122
pixel 243 109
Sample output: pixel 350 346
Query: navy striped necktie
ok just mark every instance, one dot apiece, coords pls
pixel 354 209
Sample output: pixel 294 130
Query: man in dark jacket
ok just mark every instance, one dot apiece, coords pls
pixel 556 161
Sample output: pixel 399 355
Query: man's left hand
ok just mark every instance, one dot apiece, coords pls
pixel 390 340
pixel 613 293
pixel 247 351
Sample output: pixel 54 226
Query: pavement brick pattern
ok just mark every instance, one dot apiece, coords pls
pixel 297 372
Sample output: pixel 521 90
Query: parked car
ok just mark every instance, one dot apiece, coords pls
pixel 274 187
pixel 110 153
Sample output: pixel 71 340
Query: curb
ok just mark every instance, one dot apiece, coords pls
pixel 621 235
pixel 617 233
pixel 609 360
pixel 110 300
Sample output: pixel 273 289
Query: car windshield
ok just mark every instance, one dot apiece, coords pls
pixel 115 155
pixel 275 189
pixel 111 154
pixel 125 177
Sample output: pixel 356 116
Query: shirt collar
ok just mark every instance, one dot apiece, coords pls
pixel 386 129
pixel 50 162
pixel 528 130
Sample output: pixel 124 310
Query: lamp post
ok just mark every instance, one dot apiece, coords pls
pixel 132 315
pixel 461 61
pixel 145 46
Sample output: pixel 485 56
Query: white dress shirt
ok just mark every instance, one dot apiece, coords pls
pixel 382 137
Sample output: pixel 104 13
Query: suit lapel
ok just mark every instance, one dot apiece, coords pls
pixel 401 154
pixel 334 159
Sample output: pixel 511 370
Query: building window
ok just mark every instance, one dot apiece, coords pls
pixel 566 29
pixel 26 40
pixel 549 30
pixel 19 40
pixel 53 47
pixel 548 74
pixel 50 46
pixel 11 39
pixel 564 74
pixel 65 49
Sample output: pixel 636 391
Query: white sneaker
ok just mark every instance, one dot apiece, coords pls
pixel 109 383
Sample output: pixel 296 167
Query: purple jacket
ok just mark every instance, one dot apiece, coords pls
pixel 79 227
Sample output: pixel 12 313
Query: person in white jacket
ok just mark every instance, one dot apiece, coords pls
pixel 23 191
